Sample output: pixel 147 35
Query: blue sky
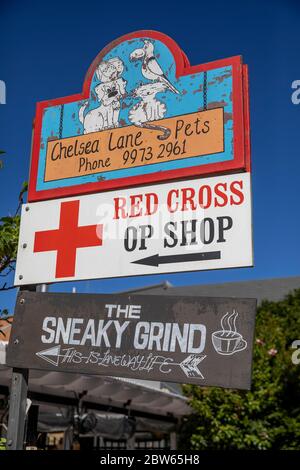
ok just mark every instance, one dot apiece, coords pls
pixel 47 47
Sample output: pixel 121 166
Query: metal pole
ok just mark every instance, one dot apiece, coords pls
pixel 17 409
pixel 18 402
pixel 130 443
pixel 68 438
pixel 173 441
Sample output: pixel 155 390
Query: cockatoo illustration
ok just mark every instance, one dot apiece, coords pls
pixel 150 67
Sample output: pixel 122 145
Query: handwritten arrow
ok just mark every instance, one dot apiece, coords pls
pixel 156 260
pixel 50 355
pixel 189 365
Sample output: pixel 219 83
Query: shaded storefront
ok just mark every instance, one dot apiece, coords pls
pixel 69 410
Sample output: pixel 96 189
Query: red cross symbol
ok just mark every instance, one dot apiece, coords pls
pixel 67 238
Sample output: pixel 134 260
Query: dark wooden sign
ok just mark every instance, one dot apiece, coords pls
pixel 199 340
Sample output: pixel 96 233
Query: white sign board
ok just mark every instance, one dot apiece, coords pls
pixel 192 225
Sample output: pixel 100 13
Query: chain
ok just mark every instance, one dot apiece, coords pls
pixel 61 120
pixel 205 90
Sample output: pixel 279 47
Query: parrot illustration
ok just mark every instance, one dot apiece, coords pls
pixel 150 67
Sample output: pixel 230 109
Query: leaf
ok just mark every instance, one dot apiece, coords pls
pixel 24 189
pixel 9 235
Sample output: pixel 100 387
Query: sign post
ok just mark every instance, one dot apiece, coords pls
pixel 146 171
pixel 18 398
pixel 17 409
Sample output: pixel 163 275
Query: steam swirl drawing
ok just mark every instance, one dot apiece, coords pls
pixel 228 341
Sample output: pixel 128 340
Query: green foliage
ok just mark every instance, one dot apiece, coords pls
pixel 2 443
pixel 9 234
pixel 268 416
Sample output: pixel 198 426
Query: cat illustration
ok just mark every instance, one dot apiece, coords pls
pixel 149 108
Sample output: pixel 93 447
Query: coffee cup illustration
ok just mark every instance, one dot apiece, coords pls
pixel 228 341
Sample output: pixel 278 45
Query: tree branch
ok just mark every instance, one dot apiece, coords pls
pixel 3 288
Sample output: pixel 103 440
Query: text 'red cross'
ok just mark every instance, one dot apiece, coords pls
pixel 67 238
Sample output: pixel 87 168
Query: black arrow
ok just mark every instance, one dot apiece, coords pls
pixel 156 260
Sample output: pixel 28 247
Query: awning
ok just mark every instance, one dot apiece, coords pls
pixel 143 398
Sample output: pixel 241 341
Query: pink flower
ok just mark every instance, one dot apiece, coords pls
pixel 260 341
pixel 272 352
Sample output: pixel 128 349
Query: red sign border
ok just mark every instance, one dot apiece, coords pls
pixel 241 129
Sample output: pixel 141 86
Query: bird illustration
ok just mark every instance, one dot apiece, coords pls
pixel 150 67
